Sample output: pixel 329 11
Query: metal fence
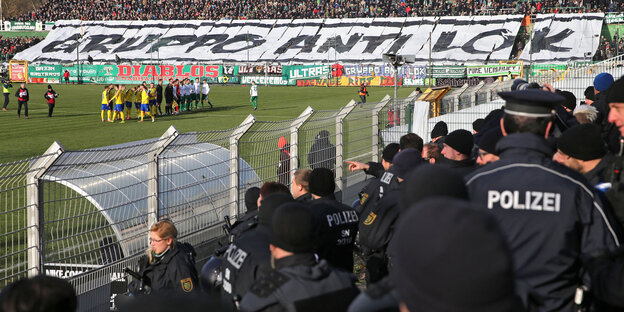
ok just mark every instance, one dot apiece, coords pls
pixel 84 215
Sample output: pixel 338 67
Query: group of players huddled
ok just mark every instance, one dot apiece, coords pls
pixel 179 95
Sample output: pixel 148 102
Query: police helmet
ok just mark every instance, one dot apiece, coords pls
pixel 210 277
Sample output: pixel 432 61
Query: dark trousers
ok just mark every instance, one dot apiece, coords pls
pixel 19 107
pixel 363 98
pixel 50 109
pixel 6 100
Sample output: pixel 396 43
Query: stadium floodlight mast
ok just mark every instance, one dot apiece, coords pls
pixel 397 60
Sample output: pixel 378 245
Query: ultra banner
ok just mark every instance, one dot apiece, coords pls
pixel 493 70
pixel 305 41
pixel 559 38
pixel 405 71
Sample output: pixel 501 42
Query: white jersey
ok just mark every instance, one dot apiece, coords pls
pixel 197 88
pixel 186 89
pixel 254 90
pixel 205 89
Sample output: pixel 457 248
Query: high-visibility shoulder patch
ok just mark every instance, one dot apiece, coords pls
pixel 370 218
pixel 187 284
pixel 363 198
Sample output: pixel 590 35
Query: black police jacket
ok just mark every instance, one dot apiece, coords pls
pixel 462 167
pixel 377 223
pixel 175 271
pixel 550 216
pixel 375 190
pixel 305 198
pixel 298 283
pixel 246 223
pixel 338 230
pixel 246 260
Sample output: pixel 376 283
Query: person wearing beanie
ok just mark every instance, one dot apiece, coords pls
pixel 300 186
pixel 448 256
pixel 248 258
pixel 249 220
pixel 298 279
pixel 581 149
pixel 440 130
pixel 338 223
pixel 457 149
pixel 283 166
pixel 548 213
pixel 50 97
pixel 487 146
pixel 589 93
pixel 477 125
pixel 602 82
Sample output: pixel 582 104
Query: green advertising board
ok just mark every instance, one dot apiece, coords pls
pixel 448 72
pixel 44 71
pixel 306 71
pixel 541 69
pixel 493 70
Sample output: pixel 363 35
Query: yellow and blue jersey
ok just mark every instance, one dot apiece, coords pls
pixel 129 96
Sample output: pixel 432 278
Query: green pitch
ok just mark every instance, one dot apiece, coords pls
pixel 76 120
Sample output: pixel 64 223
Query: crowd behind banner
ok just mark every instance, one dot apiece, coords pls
pixel 286 9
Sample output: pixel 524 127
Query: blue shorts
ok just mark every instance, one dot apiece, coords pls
pixel 118 107
pixel 128 104
pixel 137 105
pixel 152 102
pixel 104 106
pixel 145 108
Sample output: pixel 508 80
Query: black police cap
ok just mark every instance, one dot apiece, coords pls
pixel 531 102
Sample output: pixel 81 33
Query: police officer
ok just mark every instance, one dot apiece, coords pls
pixel 457 148
pixel 250 219
pixel 338 223
pixel 548 213
pixel 376 187
pixel 298 282
pixel 410 140
pixel 378 218
pixel 248 257
pixel 168 266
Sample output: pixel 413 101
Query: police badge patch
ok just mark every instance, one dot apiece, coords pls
pixel 370 218
pixel 187 284
pixel 363 198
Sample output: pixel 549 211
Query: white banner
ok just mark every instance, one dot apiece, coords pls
pixel 559 38
pixel 468 40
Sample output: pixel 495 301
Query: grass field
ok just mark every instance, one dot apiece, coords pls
pixel 76 121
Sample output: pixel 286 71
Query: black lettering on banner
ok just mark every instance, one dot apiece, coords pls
pixel 253 40
pixel 336 42
pixel 295 43
pixel 66 46
pixel 398 43
pixel 207 40
pixel 127 45
pixel 542 40
pixel 444 41
pixel 375 41
pixel 100 43
pixel 507 36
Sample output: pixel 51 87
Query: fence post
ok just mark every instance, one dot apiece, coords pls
pixel 294 139
pixel 234 163
pixel 375 133
pixel 152 173
pixel 339 145
pixel 34 220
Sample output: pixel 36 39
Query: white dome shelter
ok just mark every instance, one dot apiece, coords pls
pixel 193 191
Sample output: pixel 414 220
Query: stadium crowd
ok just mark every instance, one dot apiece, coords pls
pixel 11 46
pixel 285 9
pixel 609 48
pixel 523 212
